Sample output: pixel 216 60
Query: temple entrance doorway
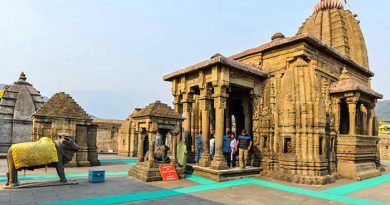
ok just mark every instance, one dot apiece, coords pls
pixel 239 110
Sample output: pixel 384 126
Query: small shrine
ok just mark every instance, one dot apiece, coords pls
pixel 155 119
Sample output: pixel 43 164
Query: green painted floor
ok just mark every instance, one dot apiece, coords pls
pixel 333 194
pixel 208 185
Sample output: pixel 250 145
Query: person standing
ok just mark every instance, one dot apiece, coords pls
pixel 198 146
pixel 158 140
pixel 226 146
pixel 244 146
pixel 212 143
pixel 233 148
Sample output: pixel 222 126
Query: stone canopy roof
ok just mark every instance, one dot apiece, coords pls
pixel 217 59
pixel 62 105
pixel 347 84
pixel 157 109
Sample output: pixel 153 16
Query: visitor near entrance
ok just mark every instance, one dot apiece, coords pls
pixel 226 146
pixel 244 145
pixel 198 146
pixel 158 140
pixel 212 143
pixel 233 149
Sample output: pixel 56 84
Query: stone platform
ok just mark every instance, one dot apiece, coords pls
pixel 150 172
pixel 226 175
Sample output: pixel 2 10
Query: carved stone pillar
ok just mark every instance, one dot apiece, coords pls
pixel 218 162
pixel 187 111
pixel 371 115
pixel 140 152
pixel 178 107
pixel 174 136
pixel 352 101
pixel 152 137
pixel 336 110
pixel 205 107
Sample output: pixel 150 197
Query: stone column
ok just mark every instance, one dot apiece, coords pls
pixel 336 110
pixel 174 136
pixel 178 106
pixel 140 152
pixel 352 114
pixel 370 118
pixel 193 129
pixel 81 140
pixel 218 162
pixel 152 137
pixel 132 139
pixel 187 111
pixel 187 117
pixel 205 108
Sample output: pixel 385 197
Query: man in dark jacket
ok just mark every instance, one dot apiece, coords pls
pixel 244 146
pixel 226 146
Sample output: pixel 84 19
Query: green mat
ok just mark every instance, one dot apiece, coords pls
pixel 198 179
pixel 119 161
pixel 55 176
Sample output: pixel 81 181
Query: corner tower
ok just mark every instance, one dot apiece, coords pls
pixel 339 28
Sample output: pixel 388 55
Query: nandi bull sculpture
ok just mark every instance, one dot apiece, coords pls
pixel 34 155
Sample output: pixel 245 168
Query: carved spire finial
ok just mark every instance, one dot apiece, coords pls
pixel 22 77
pixel 328 4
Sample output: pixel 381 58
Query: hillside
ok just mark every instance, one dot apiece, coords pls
pixel 383 110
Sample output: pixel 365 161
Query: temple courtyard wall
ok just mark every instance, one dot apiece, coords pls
pixel 107 135
pixel 384 147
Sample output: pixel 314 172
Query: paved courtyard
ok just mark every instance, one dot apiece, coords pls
pixel 120 189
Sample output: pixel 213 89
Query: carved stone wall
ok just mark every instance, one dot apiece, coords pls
pixel 107 135
pixel 384 147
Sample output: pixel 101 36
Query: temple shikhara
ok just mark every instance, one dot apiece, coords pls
pixel 17 104
pixel 306 99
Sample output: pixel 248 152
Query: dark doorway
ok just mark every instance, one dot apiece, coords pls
pixel 344 117
pixel 239 110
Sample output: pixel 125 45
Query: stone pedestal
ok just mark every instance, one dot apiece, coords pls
pixel 204 160
pixel 149 171
pixel 228 174
pixel 357 171
pixel 356 157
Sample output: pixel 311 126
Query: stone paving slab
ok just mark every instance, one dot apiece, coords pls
pixel 256 195
pixel 378 193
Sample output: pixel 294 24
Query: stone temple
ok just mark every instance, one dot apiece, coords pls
pixel 61 116
pixel 17 104
pixel 306 100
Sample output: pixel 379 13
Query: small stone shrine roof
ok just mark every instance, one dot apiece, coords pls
pixel 20 100
pixel 157 109
pixel 346 84
pixel 215 60
pixel 62 105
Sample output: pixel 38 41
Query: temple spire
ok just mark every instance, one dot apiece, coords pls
pixel 328 4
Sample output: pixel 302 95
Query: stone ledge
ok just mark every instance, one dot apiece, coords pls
pixel 227 174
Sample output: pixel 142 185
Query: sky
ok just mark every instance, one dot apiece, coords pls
pixel 110 55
